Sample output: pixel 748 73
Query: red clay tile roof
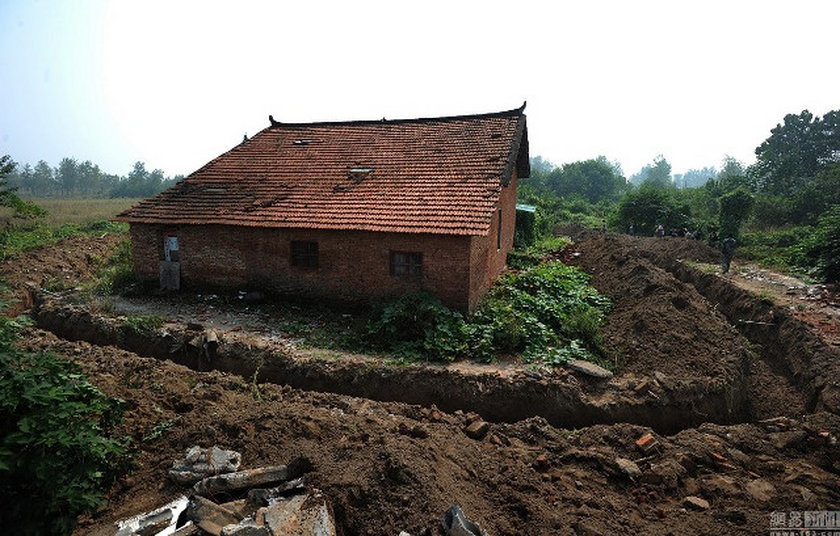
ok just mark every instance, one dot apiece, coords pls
pixel 440 175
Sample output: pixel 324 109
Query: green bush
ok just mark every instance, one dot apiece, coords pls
pixel 539 309
pixel 821 249
pixel 55 456
pixel 418 325
pixel 735 207
pixel 649 206
pixel 520 259
pixel 546 313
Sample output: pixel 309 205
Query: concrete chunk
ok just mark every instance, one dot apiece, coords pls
pixel 628 467
pixel 695 503
pixel 301 515
pixel 209 516
pixel 589 369
pixel 200 463
pixel 242 479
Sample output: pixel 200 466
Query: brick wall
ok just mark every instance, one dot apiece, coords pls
pixel 486 260
pixel 353 265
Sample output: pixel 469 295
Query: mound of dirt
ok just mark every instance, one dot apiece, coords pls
pixel 65 264
pixel 387 467
pixel 658 323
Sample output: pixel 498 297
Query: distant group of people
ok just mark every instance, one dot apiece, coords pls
pixel 682 232
pixel 726 246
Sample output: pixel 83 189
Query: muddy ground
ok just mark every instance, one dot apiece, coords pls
pixel 388 466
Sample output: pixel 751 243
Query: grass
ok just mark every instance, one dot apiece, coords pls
pixel 65 218
pixel 76 211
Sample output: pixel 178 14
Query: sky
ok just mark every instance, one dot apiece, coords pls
pixel 176 83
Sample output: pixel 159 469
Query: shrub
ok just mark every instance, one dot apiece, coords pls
pixel 418 325
pixel 55 456
pixel 537 313
pixel 649 206
pixel 541 308
pixel 821 249
pixel 735 207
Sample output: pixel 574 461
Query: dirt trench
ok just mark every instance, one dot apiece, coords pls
pixel 667 404
pixel 790 370
pixel 784 343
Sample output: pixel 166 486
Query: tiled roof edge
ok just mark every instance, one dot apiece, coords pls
pixel 507 113
pixel 164 222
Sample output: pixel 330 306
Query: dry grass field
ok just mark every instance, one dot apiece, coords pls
pixel 80 211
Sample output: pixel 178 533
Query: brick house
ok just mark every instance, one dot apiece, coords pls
pixel 345 210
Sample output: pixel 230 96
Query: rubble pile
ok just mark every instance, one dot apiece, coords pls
pixel 224 501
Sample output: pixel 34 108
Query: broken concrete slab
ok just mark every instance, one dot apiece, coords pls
pixel 209 516
pixel 264 496
pixel 244 479
pixel 589 369
pixel 199 463
pixel 246 527
pixel 304 515
pixel 154 521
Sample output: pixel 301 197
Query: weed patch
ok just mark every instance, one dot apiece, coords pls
pixel 547 314
pixel 56 458
pixel 144 324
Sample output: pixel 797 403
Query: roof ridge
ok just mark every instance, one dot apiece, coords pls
pixel 506 113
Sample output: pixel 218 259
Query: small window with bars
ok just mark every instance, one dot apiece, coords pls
pixel 305 254
pixel 406 264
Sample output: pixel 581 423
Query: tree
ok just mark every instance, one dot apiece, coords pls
pixel 68 175
pixel 694 178
pixel 656 174
pixel 649 206
pixel 822 249
pixel 594 179
pixel 8 197
pixel 43 179
pixel 796 150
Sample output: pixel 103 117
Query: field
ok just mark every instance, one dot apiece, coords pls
pixel 734 377
pixel 64 218
pixel 76 211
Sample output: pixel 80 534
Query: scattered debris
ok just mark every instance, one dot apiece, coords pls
pixel 251 478
pixel 154 522
pixel 648 444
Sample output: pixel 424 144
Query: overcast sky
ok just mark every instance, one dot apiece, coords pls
pixel 175 83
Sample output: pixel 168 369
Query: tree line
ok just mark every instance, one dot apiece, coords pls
pixel 71 179
pixel 791 193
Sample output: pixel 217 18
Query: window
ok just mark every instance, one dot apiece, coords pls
pixel 406 264
pixel 304 253
pixel 499 232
